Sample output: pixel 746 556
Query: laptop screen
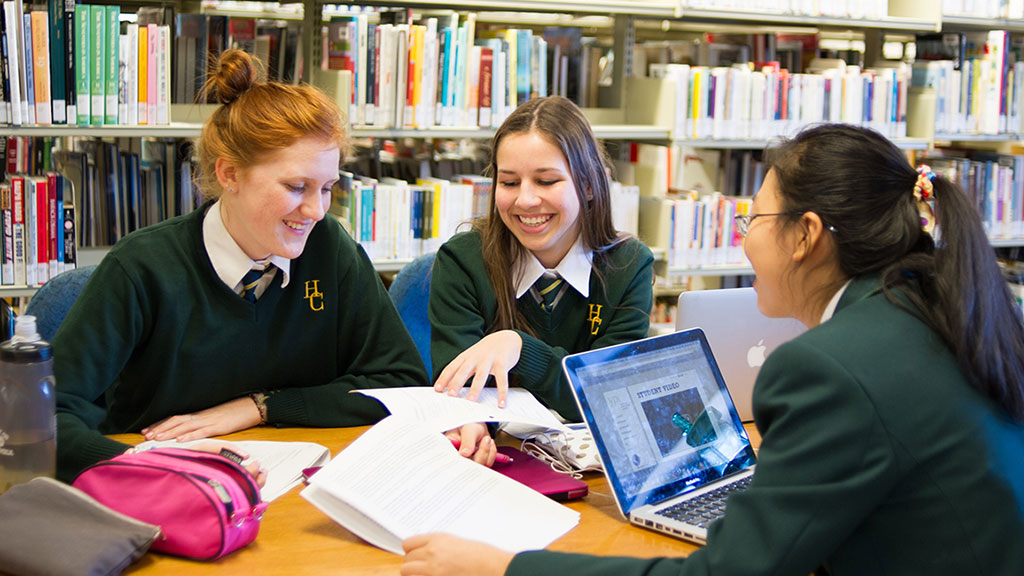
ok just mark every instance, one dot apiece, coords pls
pixel 661 416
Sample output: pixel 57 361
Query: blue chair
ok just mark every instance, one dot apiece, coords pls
pixel 410 292
pixel 54 298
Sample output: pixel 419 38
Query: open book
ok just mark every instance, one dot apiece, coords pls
pixel 403 477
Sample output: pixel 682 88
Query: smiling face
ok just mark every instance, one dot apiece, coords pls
pixel 536 197
pixel 270 208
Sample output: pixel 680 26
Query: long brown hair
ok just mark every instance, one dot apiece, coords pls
pixel 560 122
pixel 256 118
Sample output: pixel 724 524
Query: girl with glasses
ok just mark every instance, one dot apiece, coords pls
pixel 893 429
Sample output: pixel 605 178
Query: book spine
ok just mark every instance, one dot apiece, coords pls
pixel 70 65
pixel 18 229
pixel 11 56
pixel 58 54
pixel 97 64
pixel 152 72
pixel 111 40
pixel 83 45
pixel 41 234
pixel 57 226
pixel 70 238
pixel 132 74
pixel 52 179
pixel 163 80
pixel 143 103
pixel 6 220
pixel 28 62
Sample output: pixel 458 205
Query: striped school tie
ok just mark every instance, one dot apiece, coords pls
pixel 251 279
pixel 549 289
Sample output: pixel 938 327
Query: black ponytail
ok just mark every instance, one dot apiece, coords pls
pixel 859 182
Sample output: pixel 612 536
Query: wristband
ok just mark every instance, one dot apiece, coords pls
pixel 260 399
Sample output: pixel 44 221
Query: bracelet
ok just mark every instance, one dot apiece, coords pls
pixel 260 399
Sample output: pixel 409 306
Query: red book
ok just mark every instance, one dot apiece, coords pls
pixel 52 186
pixel 486 64
pixel 42 238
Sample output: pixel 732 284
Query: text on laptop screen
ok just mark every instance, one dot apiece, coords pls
pixel 665 421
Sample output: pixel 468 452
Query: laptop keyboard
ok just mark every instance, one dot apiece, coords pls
pixel 706 508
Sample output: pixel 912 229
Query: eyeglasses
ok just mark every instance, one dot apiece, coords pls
pixel 743 220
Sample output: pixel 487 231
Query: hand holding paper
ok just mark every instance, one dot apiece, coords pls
pixel 443 412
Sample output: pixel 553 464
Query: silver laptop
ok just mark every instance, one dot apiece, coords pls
pixel 741 336
pixel 671 441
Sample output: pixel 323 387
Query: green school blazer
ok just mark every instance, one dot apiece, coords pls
pixel 877 458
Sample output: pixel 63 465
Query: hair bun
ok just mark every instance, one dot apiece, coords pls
pixel 233 74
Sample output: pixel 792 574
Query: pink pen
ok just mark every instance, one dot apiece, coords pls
pixel 499 459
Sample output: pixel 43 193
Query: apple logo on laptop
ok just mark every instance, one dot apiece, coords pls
pixel 755 356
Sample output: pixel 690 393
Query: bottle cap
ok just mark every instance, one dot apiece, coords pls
pixel 27 345
pixel 21 352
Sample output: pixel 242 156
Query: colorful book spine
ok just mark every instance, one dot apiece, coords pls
pixel 97 64
pixel 83 64
pixel 18 229
pixel 58 56
pixel 7 221
pixel 112 46
pixel 143 103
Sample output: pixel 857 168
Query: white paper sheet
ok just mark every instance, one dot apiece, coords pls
pixel 444 412
pixel 402 478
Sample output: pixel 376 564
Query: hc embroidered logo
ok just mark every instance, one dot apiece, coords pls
pixel 313 294
pixel 594 318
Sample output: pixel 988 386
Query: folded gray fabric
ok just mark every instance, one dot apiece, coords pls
pixel 48 527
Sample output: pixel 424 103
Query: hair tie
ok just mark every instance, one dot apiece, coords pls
pixel 924 195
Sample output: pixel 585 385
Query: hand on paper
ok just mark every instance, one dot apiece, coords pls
pixel 443 554
pixel 238 414
pixel 474 442
pixel 495 354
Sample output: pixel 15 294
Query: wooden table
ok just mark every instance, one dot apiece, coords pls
pixel 296 538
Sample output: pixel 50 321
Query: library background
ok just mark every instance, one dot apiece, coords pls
pixel 100 111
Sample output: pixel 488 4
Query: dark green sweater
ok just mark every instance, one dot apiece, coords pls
pixel 877 457
pixel 463 309
pixel 156 333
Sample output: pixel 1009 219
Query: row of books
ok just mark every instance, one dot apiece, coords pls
pixel 981 94
pixel 445 72
pixel 396 219
pixel 872 9
pixel 74 66
pixel 38 225
pixel 994 183
pixel 694 231
pixel 741 102
pixel 984 8
pixel 117 185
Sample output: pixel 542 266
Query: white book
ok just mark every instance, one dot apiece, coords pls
pixel 740 102
pixel 163 70
pixel 385 114
pixel 131 115
pixel 473 80
pixel 757 106
pixel 426 114
pixel 360 79
pixel 719 91
pixel 401 74
pixel 122 78
pixel 498 91
pixel 14 66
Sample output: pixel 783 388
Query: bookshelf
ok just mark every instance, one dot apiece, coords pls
pixel 616 119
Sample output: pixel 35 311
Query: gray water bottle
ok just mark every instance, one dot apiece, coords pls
pixel 28 420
